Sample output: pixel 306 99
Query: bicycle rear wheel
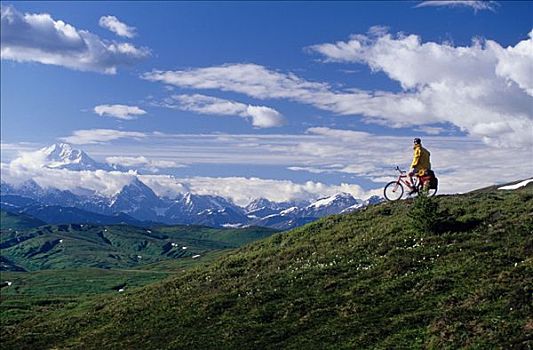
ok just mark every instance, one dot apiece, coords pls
pixel 393 191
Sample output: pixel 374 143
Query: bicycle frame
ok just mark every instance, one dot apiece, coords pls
pixel 410 181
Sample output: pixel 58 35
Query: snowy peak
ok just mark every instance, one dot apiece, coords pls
pixel 136 191
pixel 259 203
pixel 373 200
pixel 194 202
pixel 339 199
pixel 331 205
pixel 136 199
pixel 63 156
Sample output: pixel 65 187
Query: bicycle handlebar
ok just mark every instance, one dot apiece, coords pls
pixel 400 170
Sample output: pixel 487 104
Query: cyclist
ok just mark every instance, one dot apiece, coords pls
pixel 420 164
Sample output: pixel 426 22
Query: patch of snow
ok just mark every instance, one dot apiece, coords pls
pixel 232 225
pixel 184 248
pixel 323 202
pixel 121 290
pixel 139 257
pixel 271 216
pixel 288 211
pixel 148 231
pixel 353 208
pixel 9 283
pixel 196 256
pixel 60 241
pixel 516 186
pixel 174 244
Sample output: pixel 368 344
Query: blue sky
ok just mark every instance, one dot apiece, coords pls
pixel 330 93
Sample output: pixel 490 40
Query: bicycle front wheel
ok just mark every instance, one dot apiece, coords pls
pixel 393 191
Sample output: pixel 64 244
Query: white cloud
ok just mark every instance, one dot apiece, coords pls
pixel 143 162
pixel 326 150
pixel 261 116
pixel 462 163
pixel 39 38
pixel 92 136
pixel 476 5
pixel 516 63
pixel 119 111
pixel 431 130
pixel 113 24
pixel 249 79
pixel 482 89
pixel 243 190
pixel 31 165
pixel 345 135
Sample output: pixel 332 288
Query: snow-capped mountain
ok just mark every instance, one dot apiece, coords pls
pixel 63 156
pixel 300 215
pixel 203 209
pixel 361 204
pixel 331 205
pixel 262 207
pixel 137 200
pixel 260 204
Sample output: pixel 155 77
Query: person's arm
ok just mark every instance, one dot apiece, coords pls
pixel 416 158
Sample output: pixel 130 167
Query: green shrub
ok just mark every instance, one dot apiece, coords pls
pixel 424 214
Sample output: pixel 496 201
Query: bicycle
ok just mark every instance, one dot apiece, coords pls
pixel 394 190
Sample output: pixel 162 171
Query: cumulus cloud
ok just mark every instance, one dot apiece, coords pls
pixel 482 89
pixel 32 37
pixel 119 111
pixel 242 190
pixel 113 24
pixel 93 136
pixel 476 5
pixel 516 63
pixel 261 116
pixel 31 165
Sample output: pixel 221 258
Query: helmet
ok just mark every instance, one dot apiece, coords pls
pixel 417 141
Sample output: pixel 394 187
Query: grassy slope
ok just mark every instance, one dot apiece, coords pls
pixel 10 221
pixel 36 292
pixel 115 246
pixel 364 280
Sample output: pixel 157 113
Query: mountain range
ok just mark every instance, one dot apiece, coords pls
pixel 136 203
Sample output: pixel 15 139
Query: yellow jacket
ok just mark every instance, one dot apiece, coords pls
pixel 420 160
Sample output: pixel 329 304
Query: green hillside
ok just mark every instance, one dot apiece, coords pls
pixel 374 279
pixel 11 221
pixel 115 246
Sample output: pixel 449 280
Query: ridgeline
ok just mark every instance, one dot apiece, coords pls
pixel 373 279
